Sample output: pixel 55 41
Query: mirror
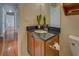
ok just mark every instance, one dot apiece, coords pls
pixel 54 15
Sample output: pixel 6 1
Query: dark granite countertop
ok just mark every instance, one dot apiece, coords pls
pixel 52 31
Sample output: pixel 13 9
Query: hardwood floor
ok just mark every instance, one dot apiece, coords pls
pixel 11 46
pixel 1 44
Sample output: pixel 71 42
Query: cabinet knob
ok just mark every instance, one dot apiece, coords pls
pixel 53 47
pixel 50 46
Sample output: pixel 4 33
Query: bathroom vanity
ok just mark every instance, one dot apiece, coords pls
pixel 41 44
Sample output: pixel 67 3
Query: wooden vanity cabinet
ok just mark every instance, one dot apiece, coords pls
pixel 35 46
pixel 30 43
pixel 39 47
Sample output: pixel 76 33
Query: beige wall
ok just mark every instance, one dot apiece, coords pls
pixel 69 25
pixel 32 10
pixel 22 29
pixel 58 7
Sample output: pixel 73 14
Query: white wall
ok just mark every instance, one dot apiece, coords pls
pixel 13 8
pixel 5 8
pixel 0 20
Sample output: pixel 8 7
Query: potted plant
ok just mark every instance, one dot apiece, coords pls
pixel 38 20
pixel 45 25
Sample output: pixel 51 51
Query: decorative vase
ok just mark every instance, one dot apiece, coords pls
pixel 39 26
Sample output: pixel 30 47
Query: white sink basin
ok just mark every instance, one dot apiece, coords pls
pixel 40 31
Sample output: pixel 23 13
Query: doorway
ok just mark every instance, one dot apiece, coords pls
pixel 9 44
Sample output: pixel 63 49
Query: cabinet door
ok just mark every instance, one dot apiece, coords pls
pixel 39 47
pixel 49 50
pixel 30 43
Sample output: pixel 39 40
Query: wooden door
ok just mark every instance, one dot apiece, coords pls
pixel 30 43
